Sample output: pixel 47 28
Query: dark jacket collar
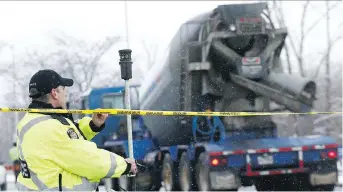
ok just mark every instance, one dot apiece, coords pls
pixel 42 105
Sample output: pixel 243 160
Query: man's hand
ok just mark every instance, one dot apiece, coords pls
pixel 133 165
pixel 99 119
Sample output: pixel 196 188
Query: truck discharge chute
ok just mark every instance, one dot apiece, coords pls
pixel 225 60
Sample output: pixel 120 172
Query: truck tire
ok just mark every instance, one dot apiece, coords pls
pixel 263 184
pixel 111 183
pixel 277 183
pixel 118 184
pixel 156 176
pixel 124 183
pixel 3 187
pixel 323 188
pixel 114 184
pixel 302 183
pixel 167 173
pixel 202 174
pixel 185 174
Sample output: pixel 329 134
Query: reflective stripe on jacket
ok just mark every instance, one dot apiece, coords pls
pixel 55 156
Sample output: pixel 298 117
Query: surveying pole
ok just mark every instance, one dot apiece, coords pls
pixel 126 74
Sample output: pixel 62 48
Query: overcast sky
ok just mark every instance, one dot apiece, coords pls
pixel 29 24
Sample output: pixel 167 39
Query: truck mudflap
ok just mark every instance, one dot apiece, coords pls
pixel 224 180
pixel 323 178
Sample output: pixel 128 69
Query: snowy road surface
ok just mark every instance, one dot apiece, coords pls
pixel 11 185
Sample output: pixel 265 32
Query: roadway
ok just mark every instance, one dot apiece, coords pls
pixel 11 185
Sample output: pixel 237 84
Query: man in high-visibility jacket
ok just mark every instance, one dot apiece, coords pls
pixel 55 153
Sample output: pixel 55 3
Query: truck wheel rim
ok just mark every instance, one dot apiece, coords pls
pixel 203 176
pixel 108 183
pixel 184 179
pixel 167 177
pixel 123 181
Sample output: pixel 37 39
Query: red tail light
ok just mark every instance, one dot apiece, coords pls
pixel 332 154
pixel 215 162
pixel 217 159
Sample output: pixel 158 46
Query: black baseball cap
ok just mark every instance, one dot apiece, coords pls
pixel 44 81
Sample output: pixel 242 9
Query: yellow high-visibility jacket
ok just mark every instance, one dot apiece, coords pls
pixel 55 154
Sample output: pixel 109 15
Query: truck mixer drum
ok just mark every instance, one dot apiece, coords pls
pixel 236 51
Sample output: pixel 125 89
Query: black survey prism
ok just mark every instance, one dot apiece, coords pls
pixel 125 63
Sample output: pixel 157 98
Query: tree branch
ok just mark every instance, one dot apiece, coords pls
pixel 322 61
pixel 328 53
pixel 82 64
pixel 151 53
pixel 315 23
pixel 302 38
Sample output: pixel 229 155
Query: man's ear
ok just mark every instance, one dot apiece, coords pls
pixel 54 94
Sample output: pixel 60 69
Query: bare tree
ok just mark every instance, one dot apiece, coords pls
pixel 330 84
pixel 328 52
pixel 151 52
pixel 2 45
pixel 75 58
pixel 330 124
pixel 298 50
pixel 80 61
pixel 5 119
pixel 9 120
pixel 4 68
pixel 296 47
pixel 279 15
pixel 19 74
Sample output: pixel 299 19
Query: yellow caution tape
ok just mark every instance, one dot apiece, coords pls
pixel 158 113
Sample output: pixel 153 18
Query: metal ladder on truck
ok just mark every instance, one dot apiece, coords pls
pixel 192 66
pixel 189 68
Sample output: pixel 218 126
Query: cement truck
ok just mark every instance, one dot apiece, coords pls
pixel 229 60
